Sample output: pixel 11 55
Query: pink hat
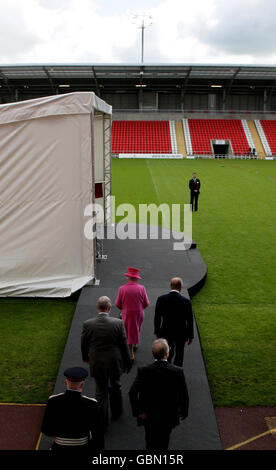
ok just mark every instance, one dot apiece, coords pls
pixel 133 272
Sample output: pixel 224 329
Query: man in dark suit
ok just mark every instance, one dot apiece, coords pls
pixel 159 397
pixel 72 418
pixel 173 320
pixel 104 346
pixel 194 185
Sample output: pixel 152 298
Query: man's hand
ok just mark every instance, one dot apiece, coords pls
pixel 143 416
pixel 190 340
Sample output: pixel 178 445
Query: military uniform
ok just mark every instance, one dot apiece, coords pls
pixel 73 419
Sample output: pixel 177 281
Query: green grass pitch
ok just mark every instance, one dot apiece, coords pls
pixel 235 311
pixel 235 233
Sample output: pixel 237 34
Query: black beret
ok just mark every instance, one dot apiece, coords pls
pixel 76 374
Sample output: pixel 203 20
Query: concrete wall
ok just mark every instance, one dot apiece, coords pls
pixel 177 116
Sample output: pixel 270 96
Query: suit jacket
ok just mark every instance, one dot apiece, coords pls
pixel 73 415
pixel 194 185
pixel 160 391
pixel 104 344
pixel 173 317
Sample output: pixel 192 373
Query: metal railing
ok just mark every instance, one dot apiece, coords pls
pixel 192 111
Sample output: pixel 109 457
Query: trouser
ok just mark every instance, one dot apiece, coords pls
pixel 109 388
pixel 157 435
pixel 177 351
pixel 194 198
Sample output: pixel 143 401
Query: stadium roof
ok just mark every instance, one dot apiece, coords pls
pixel 125 77
pixel 247 72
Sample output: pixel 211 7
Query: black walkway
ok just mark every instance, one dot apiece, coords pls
pixel 158 262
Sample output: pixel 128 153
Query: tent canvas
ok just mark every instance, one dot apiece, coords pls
pixel 46 182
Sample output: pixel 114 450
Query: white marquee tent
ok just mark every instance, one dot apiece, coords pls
pixel 52 152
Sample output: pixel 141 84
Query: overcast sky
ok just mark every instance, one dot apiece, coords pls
pixel 102 31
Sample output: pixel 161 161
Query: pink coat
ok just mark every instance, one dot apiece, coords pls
pixel 132 299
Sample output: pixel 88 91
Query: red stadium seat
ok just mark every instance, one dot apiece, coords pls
pixel 269 128
pixel 204 130
pixel 141 137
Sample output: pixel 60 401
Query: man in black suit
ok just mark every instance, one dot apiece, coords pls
pixel 72 418
pixel 104 346
pixel 159 397
pixel 194 185
pixel 173 320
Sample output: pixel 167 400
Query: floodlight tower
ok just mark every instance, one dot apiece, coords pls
pixel 142 20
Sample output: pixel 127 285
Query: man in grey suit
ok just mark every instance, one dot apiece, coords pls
pixel 105 348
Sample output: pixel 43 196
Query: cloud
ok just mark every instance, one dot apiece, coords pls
pixel 74 32
pixel 55 4
pixel 175 29
pixel 16 38
pixel 70 31
pixel 239 28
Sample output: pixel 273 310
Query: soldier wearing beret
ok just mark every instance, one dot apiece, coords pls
pixel 72 418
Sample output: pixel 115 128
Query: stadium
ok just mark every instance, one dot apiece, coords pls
pixel 154 125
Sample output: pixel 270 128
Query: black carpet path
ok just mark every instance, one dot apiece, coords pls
pixel 158 262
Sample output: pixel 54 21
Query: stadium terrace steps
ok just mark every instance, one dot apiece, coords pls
pixel 173 137
pixel 187 137
pixel 248 135
pixel 256 139
pixel 262 137
pixel 180 139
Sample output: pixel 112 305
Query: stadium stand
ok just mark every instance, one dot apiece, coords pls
pixel 170 95
pixel 194 138
pixel 141 137
pixel 202 131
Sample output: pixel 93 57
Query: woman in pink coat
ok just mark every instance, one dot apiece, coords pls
pixel 132 299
